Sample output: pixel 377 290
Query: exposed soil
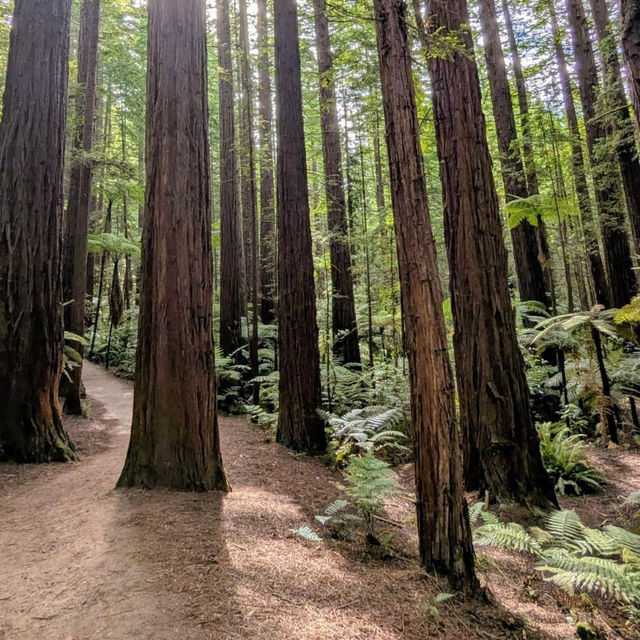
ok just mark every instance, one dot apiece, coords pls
pixel 80 560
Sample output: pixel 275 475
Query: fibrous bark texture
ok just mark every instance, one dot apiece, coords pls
pixel 592 249
pixel 32 136
pixel 174 435
pixel 299 426
pixel 525 243
pixel 615 240
pixel 78 208
pixel 267 208
pixel 500 441
pixel 630 18
pixel 346 345
pixel 231 269
pixel 443 525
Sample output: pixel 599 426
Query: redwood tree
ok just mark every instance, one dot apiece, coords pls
pixel 621 278
pixel 32 136
pixel 79 202
pixel 596 267
pixel 299 425
pixel 231 269
pixel 443 525
pixel 267 209
pixel 174 435
pixel 345 329
pixel 502 452
pixel 525 244
pixel 617 108
pixel 630 18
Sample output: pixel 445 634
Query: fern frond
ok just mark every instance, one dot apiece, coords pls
pixel 565 526
pixel 624 539
pixel 510 536
pixel 307 533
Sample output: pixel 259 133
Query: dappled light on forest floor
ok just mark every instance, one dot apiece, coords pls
pixel 86 560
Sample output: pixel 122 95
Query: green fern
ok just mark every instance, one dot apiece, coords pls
pixel 563 456
pixel 597 576
pixel 624 539
pixel 507 535
pixel 565 526
pixel 307 533
pixel 370 482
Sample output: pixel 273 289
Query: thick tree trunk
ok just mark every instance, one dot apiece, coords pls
pixel 32 138
pixel 231 268
pixel 346 345
pixel 525 243
pixel 267 209
pixel 443 525
pixel 630 19
pixel 299 425
pixel 596 267
pixel 249 193
pixel 620 118
pixel 501 444
pixel 622 280
pixel 544 253
pixel 78 208
pixel 174 435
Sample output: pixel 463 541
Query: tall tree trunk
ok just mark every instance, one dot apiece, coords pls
pixel 32 138
pixel 531 174
pixel 231 268
pixel 630 19
pixel 346 345
pixel 502 450
pixel 622 280
pixel 249 193
pixel 267 209
pixel 525 243
pixel 174 435
pixel 78 207
pixel 620 118
pixel 596 267
pixel 299 425
pixel 443 526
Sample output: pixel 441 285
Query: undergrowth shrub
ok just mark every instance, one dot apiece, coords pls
pixel 601 562
pixel 563 456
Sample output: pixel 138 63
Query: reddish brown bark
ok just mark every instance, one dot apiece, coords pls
pixel 299 425
pixel 231 267
pixel 267 209
pixel 596 267
pixel 622 280
pixel 620 118
pixel 174 435
pixel 79 202
pixel 525 243
pixel 443 525
pixel 531 175
pixel 630 19
pixel 32 137
pixel 346 345
pixel 501 445
pixel 249 193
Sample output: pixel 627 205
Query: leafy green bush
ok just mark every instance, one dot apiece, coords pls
pixel 563 456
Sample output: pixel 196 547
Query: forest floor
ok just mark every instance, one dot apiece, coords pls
pixel 80 560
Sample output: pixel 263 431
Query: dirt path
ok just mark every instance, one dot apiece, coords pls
pixel 80 560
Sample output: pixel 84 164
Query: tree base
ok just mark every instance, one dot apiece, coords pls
pixel 143 477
